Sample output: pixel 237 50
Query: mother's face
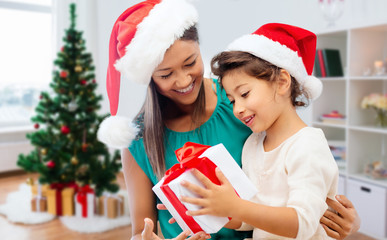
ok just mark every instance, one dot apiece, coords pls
pixel 180 74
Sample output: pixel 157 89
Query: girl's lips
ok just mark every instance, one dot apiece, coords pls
pixel 186 90
pixel 248 120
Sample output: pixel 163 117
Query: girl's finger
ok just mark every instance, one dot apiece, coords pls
pixel 194 188
pixel 161 206
pixel 147 233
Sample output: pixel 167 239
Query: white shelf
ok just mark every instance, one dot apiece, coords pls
pixel 364 142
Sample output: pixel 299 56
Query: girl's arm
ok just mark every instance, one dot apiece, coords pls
pixel 222 201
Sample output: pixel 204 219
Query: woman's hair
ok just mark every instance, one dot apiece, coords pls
pixel 151 118
pixel 226 62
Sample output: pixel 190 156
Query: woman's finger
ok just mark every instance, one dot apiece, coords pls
pixel 327 220
pixel 147 233
pixel 331 233
pixel 161 206
pixel 183 235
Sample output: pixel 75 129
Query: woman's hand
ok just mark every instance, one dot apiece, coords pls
pixel 214 199
pixel 148 234
pixel 345 222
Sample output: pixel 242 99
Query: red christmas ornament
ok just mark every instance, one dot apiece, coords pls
pixel 83 82
pixel 94 81
pixel 63 74
pixel 65 129
pixel 84 147
pixel 36 125
pixel 62 48
pixel 50 164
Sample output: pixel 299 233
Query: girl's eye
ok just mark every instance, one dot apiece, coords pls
pixel 166 76
pixel 191 64
pixel 245 94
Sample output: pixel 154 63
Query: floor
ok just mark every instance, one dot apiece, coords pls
pixel 54 229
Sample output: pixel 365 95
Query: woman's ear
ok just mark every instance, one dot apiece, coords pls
pixel 284 83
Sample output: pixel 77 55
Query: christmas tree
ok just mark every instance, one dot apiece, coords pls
pixel 66 146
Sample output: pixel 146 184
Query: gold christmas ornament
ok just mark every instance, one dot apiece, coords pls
pixel 43 151
pixel 30 181
pixel 74 160
pixel 78 69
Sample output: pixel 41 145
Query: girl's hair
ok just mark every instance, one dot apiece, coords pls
pixel 256 67
pixel 151 118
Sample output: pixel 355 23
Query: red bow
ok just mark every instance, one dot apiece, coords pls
pixel 188 157
pixel 82 198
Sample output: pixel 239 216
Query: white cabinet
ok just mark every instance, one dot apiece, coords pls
pixel 364 142
pixel 370 203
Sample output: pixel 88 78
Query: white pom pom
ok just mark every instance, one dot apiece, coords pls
pixel 117 132
pixel 313 86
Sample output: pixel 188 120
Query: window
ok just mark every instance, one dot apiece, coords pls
pixel 25 58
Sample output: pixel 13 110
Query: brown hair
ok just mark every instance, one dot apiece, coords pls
pixel 151 119
pixel 256 67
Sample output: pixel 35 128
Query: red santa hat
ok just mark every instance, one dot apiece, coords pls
pixel 138 41
pixel 288 47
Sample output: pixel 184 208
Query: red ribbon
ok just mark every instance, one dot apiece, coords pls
pixel 82 198
pixel 58 192
pixel 188 159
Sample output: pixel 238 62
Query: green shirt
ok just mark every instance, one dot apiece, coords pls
pixel 222 127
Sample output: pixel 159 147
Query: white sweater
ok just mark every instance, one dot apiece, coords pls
pixel 300 173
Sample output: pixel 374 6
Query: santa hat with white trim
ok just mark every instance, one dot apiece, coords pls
pixel 288 47
pixel 140 37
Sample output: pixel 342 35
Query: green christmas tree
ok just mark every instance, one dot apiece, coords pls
pixel 66 146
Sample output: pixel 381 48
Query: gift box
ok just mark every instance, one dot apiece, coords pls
pixel 39 189
pixel 205 159
pixel 55 201
pixel 39 204
pixel 68 201
pixel 111 205
pixel 85 202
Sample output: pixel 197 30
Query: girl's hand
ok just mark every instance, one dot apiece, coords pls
pixel 215 200
pixel 148 234
pixel 345 222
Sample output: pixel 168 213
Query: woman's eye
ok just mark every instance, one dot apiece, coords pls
pixel 191 64
pixel 245 94
pixel 166 76
pixel 232 102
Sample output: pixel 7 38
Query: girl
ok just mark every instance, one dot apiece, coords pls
pixel 155 43
pixel 267 75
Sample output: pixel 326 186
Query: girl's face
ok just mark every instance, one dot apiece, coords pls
pixel 253 100
pixel 180 74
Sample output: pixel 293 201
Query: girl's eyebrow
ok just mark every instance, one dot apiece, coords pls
pixel 236 88
pixel 165 69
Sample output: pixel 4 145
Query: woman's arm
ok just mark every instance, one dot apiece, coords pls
pixel 142 202
pixel 343 223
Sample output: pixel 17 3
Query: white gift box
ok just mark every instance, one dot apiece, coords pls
pixel 219 155
pixel 90 206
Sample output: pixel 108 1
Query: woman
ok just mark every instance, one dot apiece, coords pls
pixel 155 43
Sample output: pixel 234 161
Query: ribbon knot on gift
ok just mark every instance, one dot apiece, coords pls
pixel 188 157
pixel 82 198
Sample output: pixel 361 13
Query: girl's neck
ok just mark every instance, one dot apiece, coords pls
pixel 284 127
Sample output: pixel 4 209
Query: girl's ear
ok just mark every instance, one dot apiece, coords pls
pixel 284 82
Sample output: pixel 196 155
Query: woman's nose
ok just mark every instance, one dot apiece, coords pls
pixel 183 79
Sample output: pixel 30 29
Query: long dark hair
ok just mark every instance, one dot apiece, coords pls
pixel 256 67
pixel 151 115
